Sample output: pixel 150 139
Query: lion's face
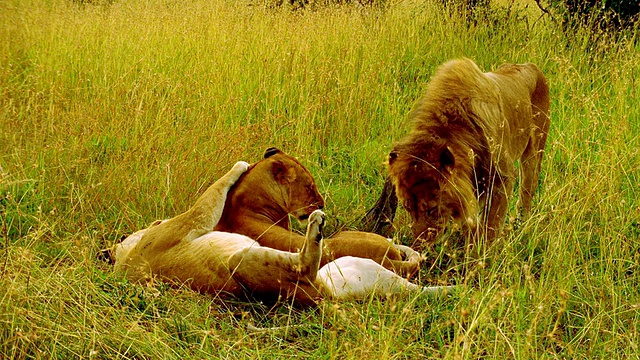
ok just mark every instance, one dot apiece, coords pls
pixel 280 185
pixel 431 187
pixel 303 197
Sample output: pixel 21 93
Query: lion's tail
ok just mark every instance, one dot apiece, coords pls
pixel 539 93
pixel 106 255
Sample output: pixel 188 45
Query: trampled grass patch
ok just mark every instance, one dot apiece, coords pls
pixel 117 113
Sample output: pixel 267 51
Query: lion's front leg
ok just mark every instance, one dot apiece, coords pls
pixel 311 253
pixel 356 278
pixel 274 274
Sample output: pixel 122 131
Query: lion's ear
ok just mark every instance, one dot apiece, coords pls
pixel 271 151
pixel 447 161
pixel 282 173
pixel 392 157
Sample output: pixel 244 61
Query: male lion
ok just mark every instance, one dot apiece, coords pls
pixel 186 250
pixel 259 205
pixel 469 128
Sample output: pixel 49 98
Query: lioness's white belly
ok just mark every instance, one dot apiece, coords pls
pixel 221 242
pixel 202 263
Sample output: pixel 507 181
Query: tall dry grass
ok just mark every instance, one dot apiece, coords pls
pixel 114 114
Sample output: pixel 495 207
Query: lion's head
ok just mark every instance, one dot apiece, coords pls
pixel 433 181
pixel 276 186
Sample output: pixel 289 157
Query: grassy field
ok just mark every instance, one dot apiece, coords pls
pixel 117 114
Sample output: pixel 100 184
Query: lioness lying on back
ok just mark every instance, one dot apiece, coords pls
pixel 184 249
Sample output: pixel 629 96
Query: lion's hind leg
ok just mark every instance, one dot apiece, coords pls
pixel 529 175
pixel 530 170
pixel 139 255
pixel 271 274
pixel 222 185
pixel 209 206
pixel 353 278
pixel 532 157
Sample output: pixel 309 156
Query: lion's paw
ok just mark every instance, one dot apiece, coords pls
pixel 316 223
pixel 242 166
pixel 317 217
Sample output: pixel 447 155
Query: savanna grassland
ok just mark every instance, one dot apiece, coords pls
pixel 118 113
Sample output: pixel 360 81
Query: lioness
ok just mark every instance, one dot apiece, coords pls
pixel 185 249
pixel 259 205
pixel 469 128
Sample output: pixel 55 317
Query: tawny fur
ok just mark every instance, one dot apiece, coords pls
pixel 468 130
pixel 186 250
pixel 259 205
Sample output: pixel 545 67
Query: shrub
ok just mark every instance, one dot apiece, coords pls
pixel 598 14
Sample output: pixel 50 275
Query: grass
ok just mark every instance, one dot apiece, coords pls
pixel 117 113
